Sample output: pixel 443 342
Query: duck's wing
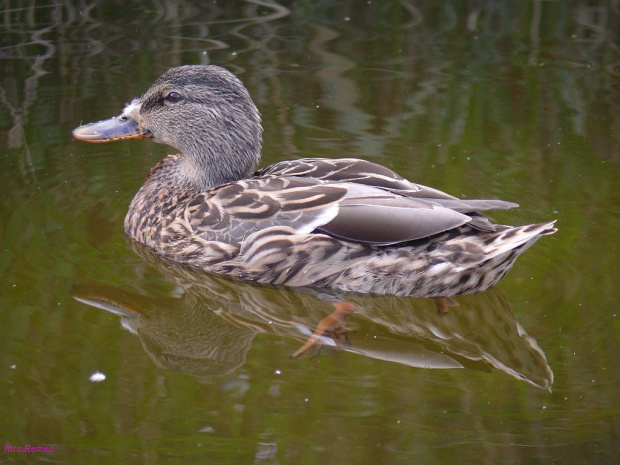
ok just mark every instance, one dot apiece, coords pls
pixel 359 213
pixel 232 212
pixel 353 170
pixel 374 216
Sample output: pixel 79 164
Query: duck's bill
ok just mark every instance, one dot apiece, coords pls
pixel 108 130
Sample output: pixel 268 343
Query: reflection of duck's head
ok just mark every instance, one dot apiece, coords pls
pixel 179 334
pixel 203 111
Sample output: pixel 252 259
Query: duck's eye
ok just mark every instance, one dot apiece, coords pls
pixel 173 97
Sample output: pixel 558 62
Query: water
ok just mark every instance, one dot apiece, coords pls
pixel 110 356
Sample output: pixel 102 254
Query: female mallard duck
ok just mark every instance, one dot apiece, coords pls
pixel 345 224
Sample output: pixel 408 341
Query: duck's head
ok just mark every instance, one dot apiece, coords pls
pixel 203 111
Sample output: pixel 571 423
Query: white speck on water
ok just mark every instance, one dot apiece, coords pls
pixel 97 377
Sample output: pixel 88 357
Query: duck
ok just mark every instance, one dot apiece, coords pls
pixel 343 224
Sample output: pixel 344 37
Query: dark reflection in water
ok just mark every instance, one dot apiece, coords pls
pixel 377 70
pixel 208 330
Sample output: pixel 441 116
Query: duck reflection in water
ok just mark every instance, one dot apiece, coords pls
pixel 208 329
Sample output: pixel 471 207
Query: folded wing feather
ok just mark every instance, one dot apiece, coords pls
pixel 349 199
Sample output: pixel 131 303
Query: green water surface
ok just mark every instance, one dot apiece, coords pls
pixel 109 355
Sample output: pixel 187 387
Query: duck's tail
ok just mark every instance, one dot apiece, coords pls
pixel 518 238
pixel 498 252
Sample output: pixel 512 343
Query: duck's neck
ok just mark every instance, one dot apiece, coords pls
pixel 229 156
pixel 209 168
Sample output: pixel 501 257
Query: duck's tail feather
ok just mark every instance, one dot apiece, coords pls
pixel 521 237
